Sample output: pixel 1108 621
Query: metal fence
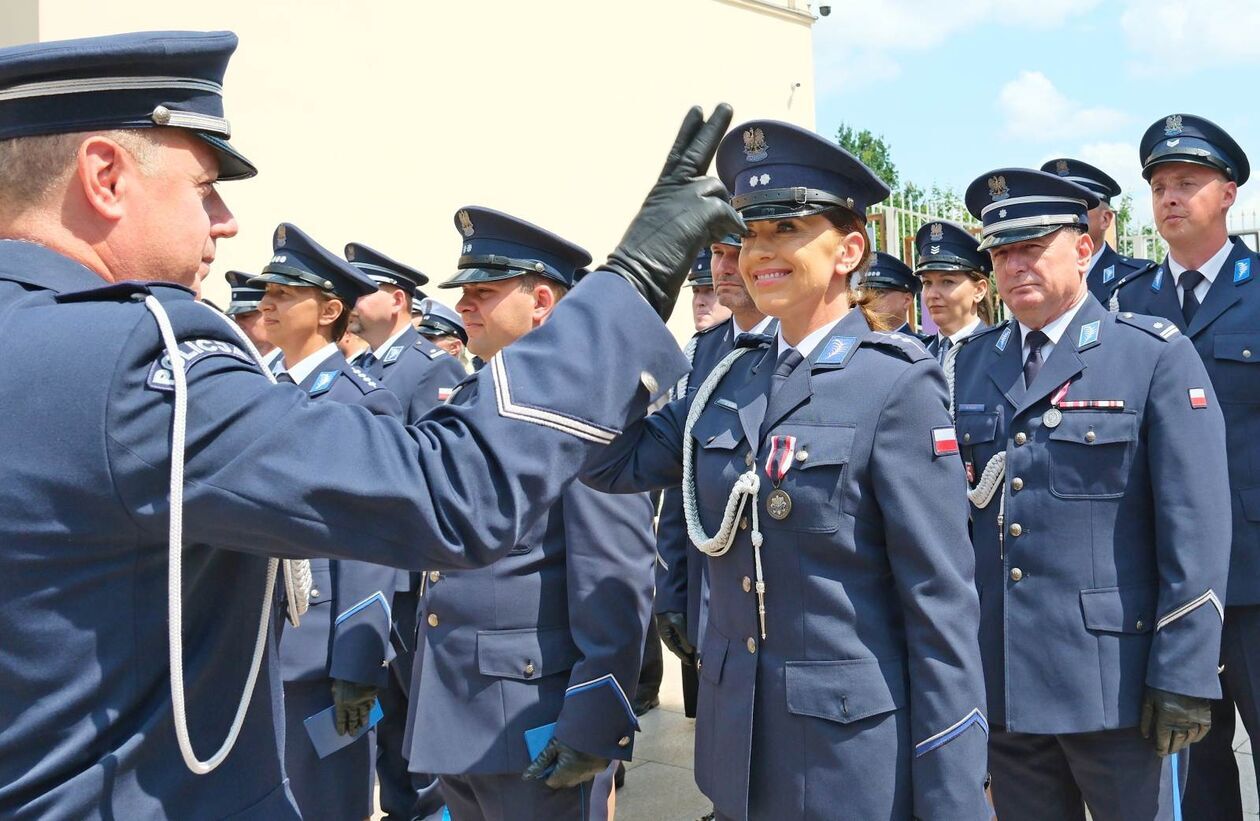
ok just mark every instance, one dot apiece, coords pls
pixel 1149 244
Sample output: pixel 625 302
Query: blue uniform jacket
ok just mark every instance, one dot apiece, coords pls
pixel 346 632
pixel 86 726
pixel 1226 334
pixel 552 633
pixel 418 372
pixel 933 342
pixel 1110 268
pixel 1102 577
pixel 867 693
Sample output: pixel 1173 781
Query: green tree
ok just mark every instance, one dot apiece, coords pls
pixel 872 150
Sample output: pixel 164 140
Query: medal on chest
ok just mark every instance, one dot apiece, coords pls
pixel 778 463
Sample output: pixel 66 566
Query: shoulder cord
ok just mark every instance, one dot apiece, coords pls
pixel 175 560
pixel 994 474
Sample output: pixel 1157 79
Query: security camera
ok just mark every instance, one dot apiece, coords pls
pixel 796 85
pixel 824 10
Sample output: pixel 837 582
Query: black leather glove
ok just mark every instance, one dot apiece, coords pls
pixel 672 628
pixel 1174 721
pixel 564 766
pixel 354 705
pixel 683 213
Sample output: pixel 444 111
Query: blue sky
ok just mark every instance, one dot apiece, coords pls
pixel 958 88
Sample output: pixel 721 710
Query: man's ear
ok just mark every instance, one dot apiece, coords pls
pixel 104 171
pixel 330 310
pixel 1230 195
pixel 544 302
pixel 1084 251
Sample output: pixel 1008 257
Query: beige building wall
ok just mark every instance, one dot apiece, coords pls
pixel 374 120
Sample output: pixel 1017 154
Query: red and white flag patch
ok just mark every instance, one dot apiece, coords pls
pixel 944 441
pixel 1198 398
pixel 444 394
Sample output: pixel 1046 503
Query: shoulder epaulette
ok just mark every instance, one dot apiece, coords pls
pixel 360 379
pixel 907 347
pixel 1143 268
pixel 1153 325
pixel 127 291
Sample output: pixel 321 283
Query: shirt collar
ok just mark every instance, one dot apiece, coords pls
pixel 379 353
pixel 1093 261
pixel 1055 329
pixel 1209 269
pixel 806 345
pixel 759 328
pixel 307 366
pixel 966 331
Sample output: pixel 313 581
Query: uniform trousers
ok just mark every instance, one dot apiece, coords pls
pixel 339 787
pixel 1053 777
pixel 507 797
pixel 1212 793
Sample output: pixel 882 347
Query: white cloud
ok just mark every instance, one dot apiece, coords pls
pixel 1176 37
pixel 1033 109
pixel 861 42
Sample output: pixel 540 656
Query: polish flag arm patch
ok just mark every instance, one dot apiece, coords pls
pixel 944 441
pixel 1198 398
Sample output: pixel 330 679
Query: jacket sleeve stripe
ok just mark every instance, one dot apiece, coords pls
pixel 549 419
pixel 377 597
pixel 947 735
pixel 1188 607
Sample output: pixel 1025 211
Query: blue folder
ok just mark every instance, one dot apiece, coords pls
pixel 322 728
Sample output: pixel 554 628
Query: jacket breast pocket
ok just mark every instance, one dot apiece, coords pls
pixel 1234 375
pixel 1129 609
pixel 816 479
pixel 525 654
pixel 721 449
pixel 976 433
pixel 1091 453
pixel 845 691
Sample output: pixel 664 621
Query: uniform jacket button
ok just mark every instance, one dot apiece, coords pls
pixel 802 455
pixel 314 592
pixel 1090 436
pixel 752 645
pixel 1016 574
pixel 433 620
pixel 743 523
pixel 434 575
pixel 1021 438
pixel 1016 529
pixel 747 585
pixel 624 741
pixel 1017 483
pixel 1246 353
pixel 1140 624
pixel 529 668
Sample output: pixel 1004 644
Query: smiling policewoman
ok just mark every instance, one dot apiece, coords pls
pixel 840 671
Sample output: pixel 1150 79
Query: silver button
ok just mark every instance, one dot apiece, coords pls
pixel 1021 438
pixel 433 620
pixel 314 592
pixel 1090 436
pixel 747 585
pixel 752 645
pixel 1246 353
pixel 624 741
pixel 1016 574
pixel 966 437
pixel 161 115
pixel 434 575
pixel 529 668
pixel 649 382
pixel 802 455
pixel 1017 483
pixel 1158 325
pixel 1140 624
pixel 1016 529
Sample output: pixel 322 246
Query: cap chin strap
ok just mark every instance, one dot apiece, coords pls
pixel 175 560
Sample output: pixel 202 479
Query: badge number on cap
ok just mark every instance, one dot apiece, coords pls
pixel 944 441
pixel 1198 398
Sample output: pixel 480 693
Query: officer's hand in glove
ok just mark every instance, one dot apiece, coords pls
pixel 672 628
pixel 1174 721
pixel 683 213
pixel 354 704
pixel 571 767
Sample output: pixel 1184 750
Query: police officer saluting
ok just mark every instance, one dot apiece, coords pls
pixel 136 680
pixel 955 274
pixel 893 287
pixel 1206 287
pixel 1095 448
pixel 1107 267
pixel 839 668
pixel 335 661
pixel 536 658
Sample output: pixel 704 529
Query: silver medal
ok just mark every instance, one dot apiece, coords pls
pixel 1052 418
pixel 778 504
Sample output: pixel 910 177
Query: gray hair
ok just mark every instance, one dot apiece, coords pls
pixel 31 168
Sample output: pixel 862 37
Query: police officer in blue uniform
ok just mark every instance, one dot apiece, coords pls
pixel 243 308
pixel 337 655
pixel 421 375
pixel 682 580
pixel 123 670
pixel 839 668
pixel 955 276
pixel 536 657
pixel 1095 448
pixel 1107 267
pixel 894 288
pixel 443 327
pixel 1205 288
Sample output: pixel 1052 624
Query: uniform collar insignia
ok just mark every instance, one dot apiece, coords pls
pixel 392 354
pixel 1242 271
pixel 1109 273
pixel 836 350
pixel 1089 334
pixel 1159 280
pixel 323 382
pixel 1003 339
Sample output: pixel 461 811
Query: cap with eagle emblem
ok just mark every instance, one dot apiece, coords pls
pixel 1192 139
pixel 1018 204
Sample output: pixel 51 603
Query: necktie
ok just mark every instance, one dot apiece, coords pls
pixel 1033 364
pixel 366 359
pixel 752 340
pixel 788 360
pixel 946 344
pixel 1189 302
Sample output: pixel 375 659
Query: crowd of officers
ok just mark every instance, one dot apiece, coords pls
pixel 1006 568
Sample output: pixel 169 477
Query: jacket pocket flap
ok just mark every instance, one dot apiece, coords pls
pixel 1237 347
pixel 821 444
pixel 845 691
pixel 1097 427
pixel 321 584
pixel 713 656
pixel 718 428
pixel 976 428
pixel 1128 609
pixel 525 653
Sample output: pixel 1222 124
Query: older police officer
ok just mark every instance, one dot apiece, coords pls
pixel 1096 448
pixel 1206 287
pixel 162 438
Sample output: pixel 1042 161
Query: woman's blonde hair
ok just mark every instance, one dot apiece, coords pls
pixel 849 223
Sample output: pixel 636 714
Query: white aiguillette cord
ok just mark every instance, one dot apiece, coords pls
pixel 175 560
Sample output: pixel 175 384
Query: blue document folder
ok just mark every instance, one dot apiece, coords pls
pixel 322 728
